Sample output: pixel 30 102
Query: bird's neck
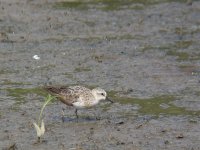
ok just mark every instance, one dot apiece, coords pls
pixel 96 98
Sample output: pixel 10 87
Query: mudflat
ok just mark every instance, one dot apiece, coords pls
pixel 144 54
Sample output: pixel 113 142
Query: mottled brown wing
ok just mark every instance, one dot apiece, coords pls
pixel 53 90
pixel 64 94
pixel 79 89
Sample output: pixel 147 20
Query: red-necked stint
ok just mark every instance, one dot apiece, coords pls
pixel 78 96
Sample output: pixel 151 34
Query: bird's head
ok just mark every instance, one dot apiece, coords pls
pixel 100 94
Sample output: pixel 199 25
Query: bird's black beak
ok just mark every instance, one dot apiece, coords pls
pixel 109 100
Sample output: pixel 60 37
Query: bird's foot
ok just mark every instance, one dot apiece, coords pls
pixel 98 118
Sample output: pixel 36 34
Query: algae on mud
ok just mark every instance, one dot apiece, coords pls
pixel 153 106
pixel 20 93
pixel 81 69
pixel 109 5
pixel 183 56
pixel 149 106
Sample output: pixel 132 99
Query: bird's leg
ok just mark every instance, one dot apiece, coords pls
pixel 76 112
pixel 38 140
pixel 97 116
pixel 63 115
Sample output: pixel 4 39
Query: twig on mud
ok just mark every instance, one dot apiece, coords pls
pixel 140 125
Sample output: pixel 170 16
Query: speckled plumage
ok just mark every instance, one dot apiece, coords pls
pixel 72 94
pixel 78 96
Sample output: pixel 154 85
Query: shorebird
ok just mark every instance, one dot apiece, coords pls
pixel 78 96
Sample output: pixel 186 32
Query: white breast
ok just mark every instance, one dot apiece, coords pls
pixel 85 104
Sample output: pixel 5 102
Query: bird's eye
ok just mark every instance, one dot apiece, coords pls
pixel 102 94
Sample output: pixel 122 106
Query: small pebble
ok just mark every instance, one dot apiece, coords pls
pixel 36 57
pixel 179 136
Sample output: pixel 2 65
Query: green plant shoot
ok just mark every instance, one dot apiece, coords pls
pixel 48 99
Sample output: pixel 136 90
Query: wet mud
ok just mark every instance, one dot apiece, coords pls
pixel 144 54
